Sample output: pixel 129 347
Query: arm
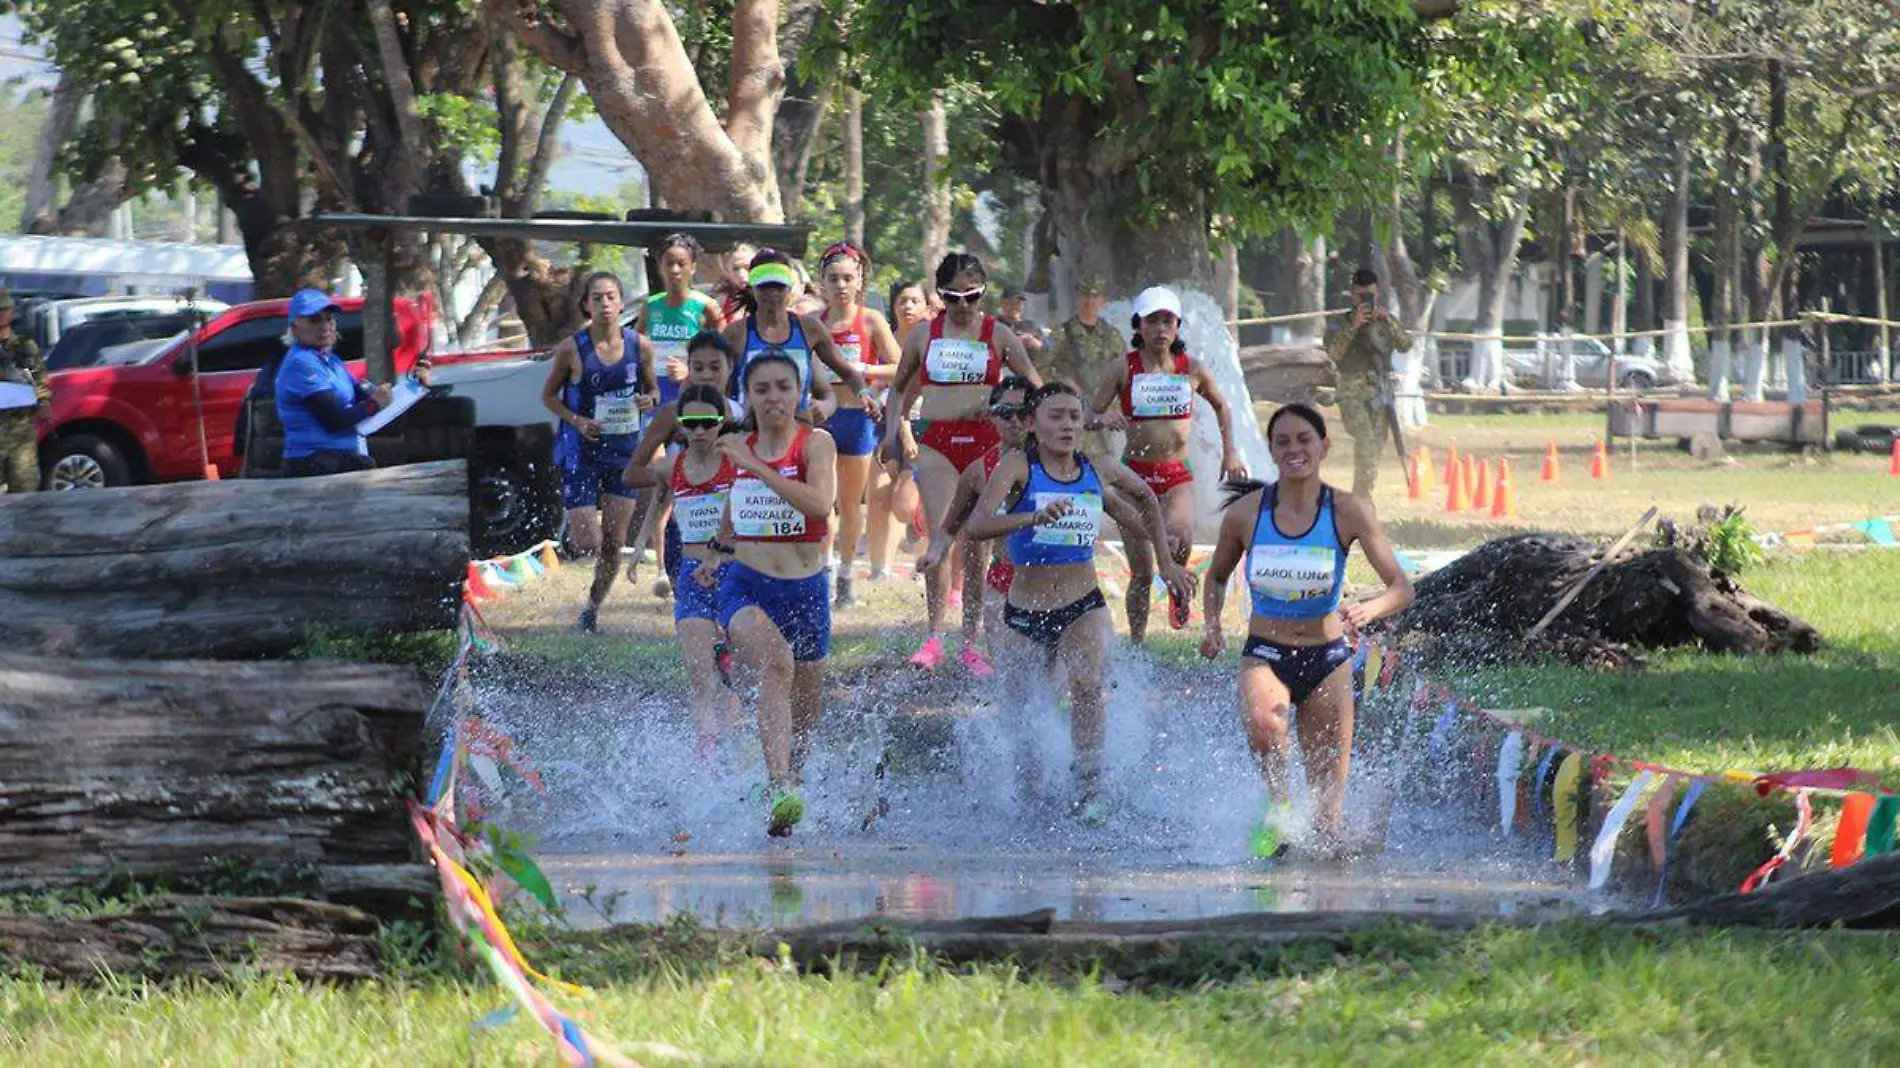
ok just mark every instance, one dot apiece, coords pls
pixel 1230 464
pixel 1014 356
pixel 31 360
pixel 305 384
pixel 1172 573
pixel 639 475
pixel 819 335
pixel 647 396
pixel 904 386
pixel 1104 416
pixel 1122 510
pixel 711 319
pixel 985 524
pixel 1397 338
pixel 561 371
pixel 885 342
pixel 1360 523
pixel 1230 545
pixel 707 573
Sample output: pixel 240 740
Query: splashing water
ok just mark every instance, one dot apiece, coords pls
pixel 929 801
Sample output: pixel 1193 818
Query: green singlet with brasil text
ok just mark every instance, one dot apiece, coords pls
pixel 670 328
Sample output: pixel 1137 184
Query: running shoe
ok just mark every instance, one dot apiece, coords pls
pixel 590 620
pixel 787 809
pixel 1268 839
pixel 975 662
pixel 1178 611
pixel 878 574
pixel 663 588
pixel 929 654
pixel 845 598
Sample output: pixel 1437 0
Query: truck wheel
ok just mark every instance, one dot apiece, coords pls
pixel 507 512
pixel 86 461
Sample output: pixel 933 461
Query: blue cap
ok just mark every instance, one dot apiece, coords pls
pixel 310 302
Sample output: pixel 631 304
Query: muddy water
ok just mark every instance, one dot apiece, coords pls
pixel 942 799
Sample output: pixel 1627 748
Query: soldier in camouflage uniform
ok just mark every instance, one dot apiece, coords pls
pixel 20 364
pixel 1362 351
pixel 1084 349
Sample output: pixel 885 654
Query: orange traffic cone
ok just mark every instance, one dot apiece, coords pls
pixel 475 588
pixel 1893 464
pixel 1481 500
pixel 1600 464
pixel 1414 477
pixel 1504 501
pixel 1470 475
pixel 1426 482
pixel 1456 499
pixel 1550 462
pixel 1451 466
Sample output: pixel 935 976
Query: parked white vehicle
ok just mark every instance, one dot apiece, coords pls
pixel 1535 368
pixel 47 321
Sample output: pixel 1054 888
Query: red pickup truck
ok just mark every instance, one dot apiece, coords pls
pixel 133 418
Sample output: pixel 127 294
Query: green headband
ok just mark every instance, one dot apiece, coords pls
pixel 772 274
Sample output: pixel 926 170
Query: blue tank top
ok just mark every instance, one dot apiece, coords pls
pixel 793 346
pixel 1295 577
pixel 605 393
pixel 1069 540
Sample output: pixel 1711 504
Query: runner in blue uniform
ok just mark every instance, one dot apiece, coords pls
pixel 1293 536
pixel 600 386
pixel 1047 501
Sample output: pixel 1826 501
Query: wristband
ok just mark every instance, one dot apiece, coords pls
pixel 719 547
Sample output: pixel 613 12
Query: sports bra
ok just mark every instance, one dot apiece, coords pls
pixel 760 513
pixel 1296 577
pixel 1069 540
pixel 698 506
pixel 962 361
pixel 1158 394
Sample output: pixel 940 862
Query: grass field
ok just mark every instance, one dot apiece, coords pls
pixel 1569 994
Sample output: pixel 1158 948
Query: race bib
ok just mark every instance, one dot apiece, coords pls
pixel 954 361
pixel 1291 572
pixel 618 412
pixel 853 355
pixel 1078 528
pixel 1158 396
pixel 698 516
pixel 759 512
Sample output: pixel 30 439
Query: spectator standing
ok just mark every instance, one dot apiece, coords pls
pixel 1083 351
pixel 1362 351
pixel 1015 298
pixel 22 365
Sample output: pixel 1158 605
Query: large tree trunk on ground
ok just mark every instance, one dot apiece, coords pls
pixel 173 937
pixel 235 568
pixel 190 771
pixel 1482 605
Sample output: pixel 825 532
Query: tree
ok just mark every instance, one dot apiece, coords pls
pixel 1144 122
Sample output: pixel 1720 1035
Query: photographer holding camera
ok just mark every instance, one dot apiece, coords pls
pixel 1362 351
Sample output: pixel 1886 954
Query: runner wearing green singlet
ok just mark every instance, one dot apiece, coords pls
pixel 669 320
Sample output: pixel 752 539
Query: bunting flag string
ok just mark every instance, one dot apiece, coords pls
pixel 489 578
pixel 1675 830
pixel 1878 530
pixel 1510 759
pixel 1603 850
pixel 1804 820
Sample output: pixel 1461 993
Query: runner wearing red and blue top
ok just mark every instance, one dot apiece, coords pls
pixel 866 342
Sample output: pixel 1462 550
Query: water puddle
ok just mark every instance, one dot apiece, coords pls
pixel 928 801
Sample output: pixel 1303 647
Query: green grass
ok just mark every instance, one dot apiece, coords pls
pixel 1571 994
pixel 1712 713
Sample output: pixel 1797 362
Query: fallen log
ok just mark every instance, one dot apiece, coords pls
pixel 232 569
pixel 1862 895
pixel 1484 605
pixel 266 777
pixel 174 937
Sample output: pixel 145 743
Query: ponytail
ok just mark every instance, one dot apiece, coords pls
pixel 1235 489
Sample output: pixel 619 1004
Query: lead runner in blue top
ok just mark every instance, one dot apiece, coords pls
pixel 1293 536
pixel 600 385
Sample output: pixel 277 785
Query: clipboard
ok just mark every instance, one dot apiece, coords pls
pixel 14 395
pixel 403 397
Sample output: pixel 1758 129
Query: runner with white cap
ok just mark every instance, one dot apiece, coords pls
pixel 1156 386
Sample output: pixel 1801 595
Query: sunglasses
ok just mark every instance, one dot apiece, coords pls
pixel 1007 411
pixel 971 296
pixel 701 422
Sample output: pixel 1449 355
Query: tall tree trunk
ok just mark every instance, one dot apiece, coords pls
pixel 1563 290
pixel 1492 248
pixel 40 213
pixel 1306 259
pixel 1643 306
pixel 936 237
pixel 1620 294
pixel 1414 300
pixel 800 119
pixel 1882 349
pixel 854 166
pixel 1676 269
pixel 1726 300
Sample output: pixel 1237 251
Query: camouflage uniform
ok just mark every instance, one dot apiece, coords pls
pixel 1081 355
pixel 1364 359
pixel 20 363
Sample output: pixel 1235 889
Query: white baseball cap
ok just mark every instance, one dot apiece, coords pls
pixel 1156 299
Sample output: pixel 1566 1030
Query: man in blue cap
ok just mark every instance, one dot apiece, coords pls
pixel 318 401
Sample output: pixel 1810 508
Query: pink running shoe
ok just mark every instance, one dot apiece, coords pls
pixel 953 601
pixel 928 655
pixel 974 662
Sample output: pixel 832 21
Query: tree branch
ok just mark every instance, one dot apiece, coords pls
pixel 557 48
pixel 547 145
pixel 402 91
pixel 757 78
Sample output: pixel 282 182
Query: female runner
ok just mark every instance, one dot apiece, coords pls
pixel 700 480
pixel 893 490
pixel 772 326
pixel 769 566
pixel 669 320
pixel 1294 535
pixel 1047 502
pixel 867 343
pixel 1156 385
pixel 599 385
pixel 952 363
